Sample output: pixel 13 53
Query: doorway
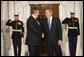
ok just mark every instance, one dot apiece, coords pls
pixel 42 7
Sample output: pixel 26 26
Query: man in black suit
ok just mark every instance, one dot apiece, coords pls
pixel 53 32
pixel 34 32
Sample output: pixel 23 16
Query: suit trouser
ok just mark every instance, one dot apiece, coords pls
pixel 57 49
pixel 34 50
pixel 72 45
pixel 17 44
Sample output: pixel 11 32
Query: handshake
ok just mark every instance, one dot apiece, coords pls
pixel 42 35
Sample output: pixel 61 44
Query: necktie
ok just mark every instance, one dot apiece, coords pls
pixel 49 24
pixel 38 22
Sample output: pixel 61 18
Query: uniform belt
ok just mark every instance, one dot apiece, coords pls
pixel 17 30
pixel 72 27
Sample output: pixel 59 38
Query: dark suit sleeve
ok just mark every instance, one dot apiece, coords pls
pixel 22 29
pixel 59 30
pixel 43 29
pixel 78 27
pixel 31 26
pixel 65 21
pixel 8 23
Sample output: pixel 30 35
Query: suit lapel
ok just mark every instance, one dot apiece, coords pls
pixel 35 21
pixel 46 25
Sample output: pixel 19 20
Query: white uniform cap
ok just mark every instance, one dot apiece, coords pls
pixel 72 12
pixel 16 13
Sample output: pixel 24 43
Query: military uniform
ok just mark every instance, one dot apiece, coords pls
pixel 17 34
pixel 73 32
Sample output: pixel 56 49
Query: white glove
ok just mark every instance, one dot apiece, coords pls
pixel 23 40
pixel 12 19
pixel 78 36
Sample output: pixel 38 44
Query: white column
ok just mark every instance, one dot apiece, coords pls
pixel 23 8
pixel 81 24
pixel 66 7
pixel 2 38
pixel 26 14
pixel 5 30
pixel 11 16
pixel 78 9
pixel 63 14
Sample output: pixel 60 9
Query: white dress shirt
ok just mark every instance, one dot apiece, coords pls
pixel 50 20
pixel 36 19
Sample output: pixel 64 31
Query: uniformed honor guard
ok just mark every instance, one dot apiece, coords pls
pixel 73 32
pixel 17 33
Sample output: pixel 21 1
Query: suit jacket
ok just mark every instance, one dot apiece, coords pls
pixel 34 32
pixel 56 31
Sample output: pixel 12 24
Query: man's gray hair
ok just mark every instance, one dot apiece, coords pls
pixel 35 9
pixel 50 10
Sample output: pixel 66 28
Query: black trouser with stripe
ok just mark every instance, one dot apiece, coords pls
pixel 17 47
pixel 72 45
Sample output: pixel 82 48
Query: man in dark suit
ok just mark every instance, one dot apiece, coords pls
pixel 53 32
pixel 34 32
